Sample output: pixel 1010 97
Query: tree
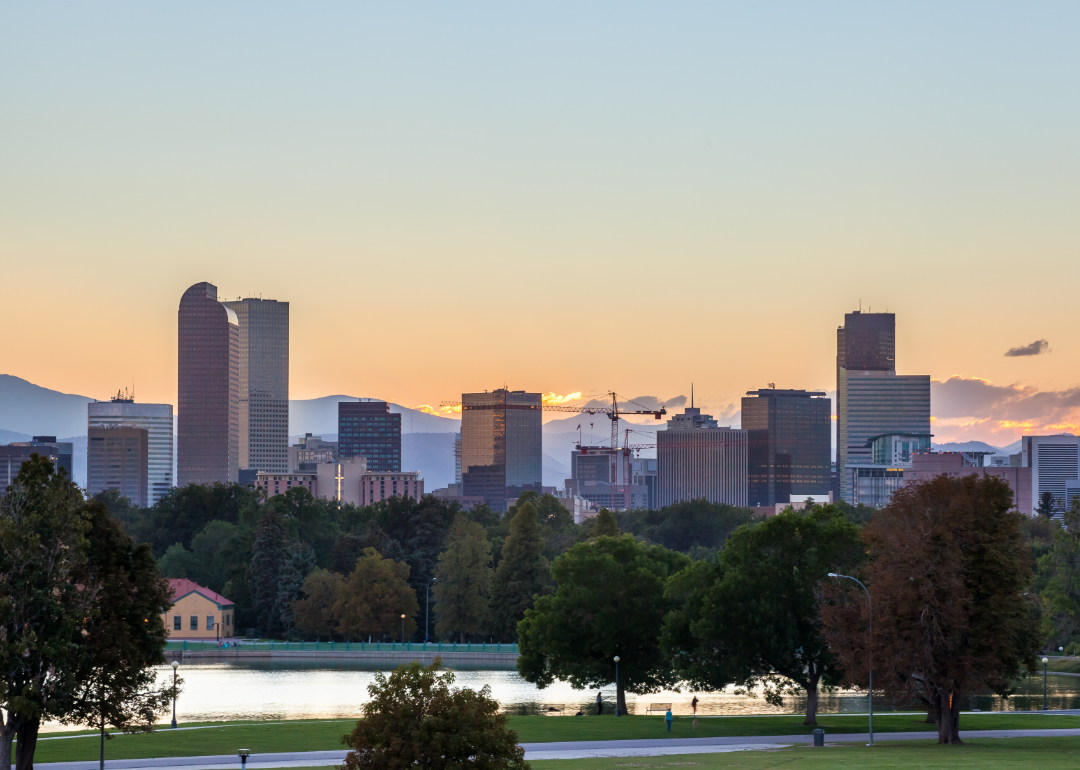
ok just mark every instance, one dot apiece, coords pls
pixel 415 719
pixel 556 523
pixel 375 597
pixel 415 532
pixel 299 562
pixel 752 618
pixel 523 572
pixel 315 612
pixel 125 636
pixel 686 525
pixel 43 549
pixel 609 601
pixel 1046 504
pixel 463 589
pixel 605 525
pixel 947 572
pixel 264 572
pixel 183 512
pixel 1058 579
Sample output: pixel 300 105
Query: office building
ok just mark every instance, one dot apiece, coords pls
pixel 871 398
pixel 60 452
pixel 925 466
pixel 264 383
pixel 789 434
pixel 13 456
pixel 501 449
pixel 346 480
pixel 457 458
pixel 117 458
pixel 208 389
pixel 310 451
pixel 376 487
pixel 873 482
pixel 157 420
pixel 596 478
pixel 367 429
pixel 698 459
pixel 1054 462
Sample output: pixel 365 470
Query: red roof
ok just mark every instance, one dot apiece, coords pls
pixel 181 587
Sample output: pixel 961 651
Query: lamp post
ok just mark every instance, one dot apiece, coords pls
pixel 1044 662
pixel 869 655
pixel 427 610
pixel 617 712
pixel 244 754
pixel 403 628
pixel 174 666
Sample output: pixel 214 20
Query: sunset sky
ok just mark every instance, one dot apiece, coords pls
pixel 560 197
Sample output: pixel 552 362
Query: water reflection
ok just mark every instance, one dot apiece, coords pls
pixel 244 691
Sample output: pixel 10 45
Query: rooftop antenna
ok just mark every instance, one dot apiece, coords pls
pixel 691 395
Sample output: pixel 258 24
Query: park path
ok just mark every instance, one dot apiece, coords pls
pixel 651 747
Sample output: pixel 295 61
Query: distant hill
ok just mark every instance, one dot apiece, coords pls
pixel 37 411
pixel 978 446
pixel 319 416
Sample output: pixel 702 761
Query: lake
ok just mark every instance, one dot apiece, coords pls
pixel 330 690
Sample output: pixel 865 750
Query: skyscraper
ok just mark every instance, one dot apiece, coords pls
pixel 698 459
pixel 871 398
pixel 367 429
pixel 264 383
pixel 116 458
pixel 208 389
pixel 501 449
pixel 790 442
pixel 157 420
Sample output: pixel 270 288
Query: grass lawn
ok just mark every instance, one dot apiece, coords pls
pixel 1071 665
pixel 1042 753
pixel 325 735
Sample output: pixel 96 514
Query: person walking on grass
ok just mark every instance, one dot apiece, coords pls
pixel 667 716
pixel 599 704
pixel 693 705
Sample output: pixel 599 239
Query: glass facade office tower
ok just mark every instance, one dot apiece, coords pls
pixel 696 458
pixel 790 444
pixel 871 398
pixel 501 445
pixel 13 456
pixel 264 383
pixel 1054 463
pixel 367 429
pixel 208 392
pixel 157 420
pixel 65 452
pixel 116 458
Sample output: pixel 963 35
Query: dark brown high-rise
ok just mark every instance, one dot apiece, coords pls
pixel 208 393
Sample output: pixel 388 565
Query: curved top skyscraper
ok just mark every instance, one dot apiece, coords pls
pixel 208 392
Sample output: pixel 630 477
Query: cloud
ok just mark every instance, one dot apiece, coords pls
pixel 971 408
pixel 1034 349
pixel 643 403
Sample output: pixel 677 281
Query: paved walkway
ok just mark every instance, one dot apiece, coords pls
pixel 652 747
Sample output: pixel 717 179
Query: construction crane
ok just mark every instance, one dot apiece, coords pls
pixel 614 413
pixel 626 453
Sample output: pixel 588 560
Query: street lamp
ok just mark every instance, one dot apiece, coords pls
pixel 403 628
pixel 617 713
pixel 869 654
pixel 174 665
pixel 1045 661
pixel 427 610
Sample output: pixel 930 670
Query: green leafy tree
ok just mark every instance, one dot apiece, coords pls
pixel 43 550
pixel 947 571
pixel 415 532
pixel 299 562
pixel 1046 504
pixel 609 601
pixel 375 597
pixel 308 520
pixel 124 637
pixel 463 589
pixel 314 613
pixel 605 525
pixel 752 618
pixel 523 572
pixel 129 514
pixel 1058 580
pixel 686 525
pixel 264 572
pixel 416 719
pixel 183 512
pixel 556 523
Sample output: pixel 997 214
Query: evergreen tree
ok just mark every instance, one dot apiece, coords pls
pixel 264 571
pixel 1046 504
pixel 605 525
pixel 298 564
pixel 463 589
pixel 523 573
pixel 314 614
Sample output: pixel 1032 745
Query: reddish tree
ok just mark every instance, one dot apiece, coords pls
pixel 947 567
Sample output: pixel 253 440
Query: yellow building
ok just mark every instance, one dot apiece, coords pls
pixel 198 612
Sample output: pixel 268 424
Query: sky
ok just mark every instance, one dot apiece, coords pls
pixel 561 197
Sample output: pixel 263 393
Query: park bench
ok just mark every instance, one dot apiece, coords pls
pixel 661 707
pixel 552 708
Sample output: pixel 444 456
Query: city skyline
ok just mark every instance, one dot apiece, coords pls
pixel 469 158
